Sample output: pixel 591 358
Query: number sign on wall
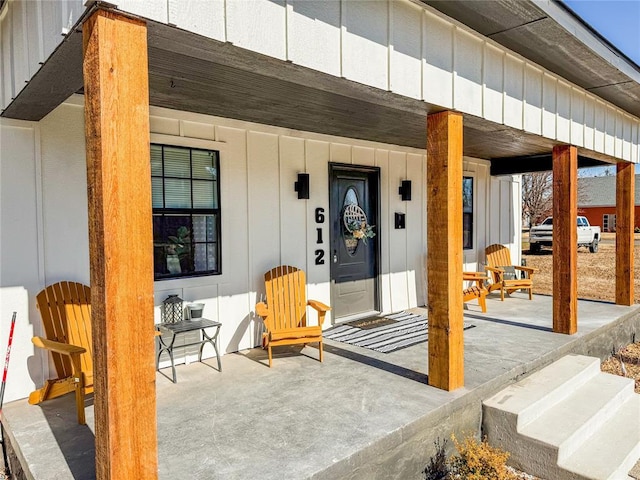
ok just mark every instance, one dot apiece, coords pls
pixel 319 252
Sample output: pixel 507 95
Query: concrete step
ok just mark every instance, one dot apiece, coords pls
pixel 559 419
pixel 565 425
pixel 526 400
pixel 616 443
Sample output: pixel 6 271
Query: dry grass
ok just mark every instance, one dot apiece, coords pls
pixel 596 271
pixel 479 461
pixel 475 460
pixel 625 363
pixel 596 281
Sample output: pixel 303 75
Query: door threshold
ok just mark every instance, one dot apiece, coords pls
pixel 356 316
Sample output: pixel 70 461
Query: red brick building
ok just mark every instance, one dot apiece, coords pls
pixel 597 201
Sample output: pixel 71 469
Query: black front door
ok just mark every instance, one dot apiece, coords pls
pixel 353 205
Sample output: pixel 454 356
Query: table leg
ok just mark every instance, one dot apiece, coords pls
pixel 213 341
pixel 163 347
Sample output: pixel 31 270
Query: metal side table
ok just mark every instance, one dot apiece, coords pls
pixel 183 327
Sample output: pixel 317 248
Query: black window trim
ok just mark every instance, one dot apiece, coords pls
pixel 166 141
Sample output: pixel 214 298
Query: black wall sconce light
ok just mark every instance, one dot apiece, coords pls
pixel 302 186
pixel 405 190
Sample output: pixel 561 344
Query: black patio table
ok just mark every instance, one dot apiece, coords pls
pixel 186 326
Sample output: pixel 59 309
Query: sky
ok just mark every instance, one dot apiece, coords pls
pixel 619 22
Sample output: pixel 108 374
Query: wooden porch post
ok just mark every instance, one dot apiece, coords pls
pixel 444 250
pixel 120 244
pixel 565 239
pixel 625 192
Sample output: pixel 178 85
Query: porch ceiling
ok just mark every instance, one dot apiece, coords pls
pixel 192 73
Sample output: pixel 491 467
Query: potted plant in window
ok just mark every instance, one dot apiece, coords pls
pixel 179 248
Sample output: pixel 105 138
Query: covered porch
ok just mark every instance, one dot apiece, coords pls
pixel 360 414
pixel 190 74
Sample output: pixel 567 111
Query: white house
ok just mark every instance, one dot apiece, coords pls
pixel 246 95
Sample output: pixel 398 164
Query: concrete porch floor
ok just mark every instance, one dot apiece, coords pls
pixel 360 414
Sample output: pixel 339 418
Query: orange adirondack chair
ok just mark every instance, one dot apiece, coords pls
pixel 285 312
pixel 65 309
pixel 499 263
pixel 475 291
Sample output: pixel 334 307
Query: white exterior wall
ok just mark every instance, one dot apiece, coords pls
pixel 393 45
pixel 20 248
pixel 43 197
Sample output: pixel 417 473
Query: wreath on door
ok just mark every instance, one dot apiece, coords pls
pixel 356 223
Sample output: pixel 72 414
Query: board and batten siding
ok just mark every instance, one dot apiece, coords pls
pixel 44 196
pixel 392 45
pixel 264 224
pixel 20 251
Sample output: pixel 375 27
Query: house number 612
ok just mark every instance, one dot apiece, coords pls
pixel 319 253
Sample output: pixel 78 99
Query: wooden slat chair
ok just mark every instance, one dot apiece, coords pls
pixel 498 264
pixel 478 290
pixel 285 312
pixel 65 309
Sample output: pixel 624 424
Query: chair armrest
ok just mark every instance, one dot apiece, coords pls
pixel 497 274
pixel 474 276
pixel 494 269
pixel 478 277
pixel 262 310
pixel 267 317
pixel 527 269
pixel 319 306
pixel 57 347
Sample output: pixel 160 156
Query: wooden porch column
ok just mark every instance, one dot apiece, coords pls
pixel 120 245
pixel 565 239
pixel 625 192
pixel 444 250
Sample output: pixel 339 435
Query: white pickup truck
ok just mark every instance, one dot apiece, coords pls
pixel 542 235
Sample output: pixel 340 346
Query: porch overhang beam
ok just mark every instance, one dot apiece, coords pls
pixel 565 239
pixel 58 78
pixel 625 211
pixel 119 201
pixel 444 250
pixel 535 163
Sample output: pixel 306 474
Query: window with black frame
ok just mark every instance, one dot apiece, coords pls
pixel 186 211
pixel 467 212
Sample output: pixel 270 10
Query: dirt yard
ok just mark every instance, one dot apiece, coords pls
pixel 596 271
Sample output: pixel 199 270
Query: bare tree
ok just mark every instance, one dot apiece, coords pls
pixel 537 201
pixel 537 197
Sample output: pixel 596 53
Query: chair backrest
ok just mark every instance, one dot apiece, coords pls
pixel 286 297
pixel 65 309
pixel 497 256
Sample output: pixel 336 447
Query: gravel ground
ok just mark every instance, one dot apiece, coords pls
pixel 522 475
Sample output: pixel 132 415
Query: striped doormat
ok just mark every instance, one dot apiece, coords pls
pixel 407 329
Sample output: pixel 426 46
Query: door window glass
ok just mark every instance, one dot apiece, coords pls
pixel 350 214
